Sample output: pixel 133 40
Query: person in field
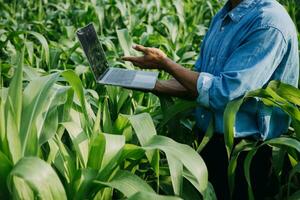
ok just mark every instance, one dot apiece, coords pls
pixel 249 43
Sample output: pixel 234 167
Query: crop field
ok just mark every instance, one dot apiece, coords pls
pixel 62 136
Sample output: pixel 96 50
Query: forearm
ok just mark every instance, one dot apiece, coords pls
pixel 172 88
pixel 155 59
pixel 187 78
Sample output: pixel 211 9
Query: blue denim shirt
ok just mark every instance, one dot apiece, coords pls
pixel 243 50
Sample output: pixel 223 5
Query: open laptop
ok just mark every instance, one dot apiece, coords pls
pixel 111 75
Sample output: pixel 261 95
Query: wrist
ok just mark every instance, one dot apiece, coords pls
pixel 157 87
pixel 165 63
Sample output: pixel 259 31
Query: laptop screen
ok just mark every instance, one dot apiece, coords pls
pixel 93 50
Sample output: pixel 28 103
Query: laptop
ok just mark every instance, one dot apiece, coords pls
pixel 103 73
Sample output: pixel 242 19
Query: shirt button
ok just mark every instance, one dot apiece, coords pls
pixel 202 116
pixel 222 28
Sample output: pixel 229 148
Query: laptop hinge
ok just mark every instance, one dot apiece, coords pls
pixel 103 74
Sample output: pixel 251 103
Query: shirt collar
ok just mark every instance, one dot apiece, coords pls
pixel 238 12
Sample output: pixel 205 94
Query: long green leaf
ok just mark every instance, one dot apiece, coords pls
pixel 96 152
pixel 43 42
pixel 145 130
pixel 193 162
pixel 171 111
pixel 35 98
pixel 127 183
pixel 39 177
pixel 80 141
pixel 126 44
pixel 13 110
pixel 176 171
pixel 106 117
pixel 5 168
pixel 288 92
pixel 76 84
pixel 229 123
pixel 278 142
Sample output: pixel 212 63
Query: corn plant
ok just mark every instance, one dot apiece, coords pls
pixel 53 147
pixel 62 136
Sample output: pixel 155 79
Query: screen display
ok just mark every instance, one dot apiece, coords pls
pixel 93 50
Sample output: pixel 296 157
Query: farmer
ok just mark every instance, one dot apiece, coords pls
pixel 249 43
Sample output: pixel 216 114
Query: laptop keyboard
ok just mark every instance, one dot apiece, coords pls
pixel 121 76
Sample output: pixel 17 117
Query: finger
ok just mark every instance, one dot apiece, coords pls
pixel 140 65
pixel 140 48
pixel 130 58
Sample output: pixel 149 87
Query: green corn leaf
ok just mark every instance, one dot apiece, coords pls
pixel 125 41
pixel 132 151
pixel 294 196
pixel 143 127
pixel 63 159
pixel 193 163
pixel 76 84
pixel 79 139
pixel 288 92
pixel 114 144
pixel 48 120
pixel 293 172
pixel 127 183
pixel 210 192
pixel 146 134
pixel 3 138
pixel 126 45
pixel 270 98
pixel 13 110
pixel 277 142
pixel 96 152
pixel 97 122
pixel 34 100
pixel 247 164
pixel 5 168
pixel 207 136
pixel 171 111
pixel 229 123
pixel 172 27
pixel 113 152
pixel 176 171
pixel 47 131
pixel 145 130
pixel 83 185
pixel 43 42
pixel 113 93
pixel 285 141
pixel 179 5
pixel 30 50
pixel 40 178
pixel 122 99
pixel 244 145
pixel 106 117
pixel 147 195
pixel 21 190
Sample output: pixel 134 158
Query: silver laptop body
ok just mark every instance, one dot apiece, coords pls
pixel 110 75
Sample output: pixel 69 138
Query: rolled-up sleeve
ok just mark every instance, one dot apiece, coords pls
pixel 249 67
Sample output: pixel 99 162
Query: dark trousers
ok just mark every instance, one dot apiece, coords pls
pixel 215 157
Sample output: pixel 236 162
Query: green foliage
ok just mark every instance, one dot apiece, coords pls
pixel 62 136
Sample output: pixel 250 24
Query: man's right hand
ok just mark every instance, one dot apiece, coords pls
pixel 153 58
